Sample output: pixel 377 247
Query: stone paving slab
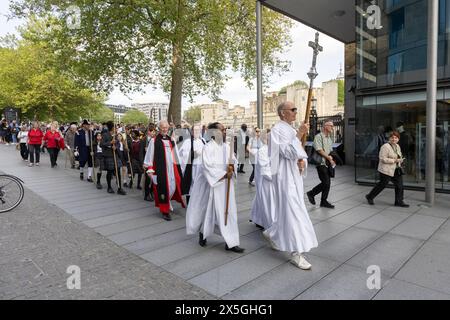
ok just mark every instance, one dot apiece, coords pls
pixel 396 289
pixel 418 226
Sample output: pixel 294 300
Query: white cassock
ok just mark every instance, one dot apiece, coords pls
pixel 292 229
pixel 263 207
pixel 199 192
pixel 215 159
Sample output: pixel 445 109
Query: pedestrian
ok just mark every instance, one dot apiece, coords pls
pixel 161 160
pixel 137 158
pixel 69 140
pixel 219 170
pixel 253 146
pixel 23 141
pixel 54 142
pixel 390 169
pixel 122 154
pixel 241 147
pixel 82 145
pixel 148 187
pixel 14 131
pixel 323 144
pixel 111 160
pixel 292 230
pixel 35 136
pixel 99 161
pixel 3 127
pixel 263 206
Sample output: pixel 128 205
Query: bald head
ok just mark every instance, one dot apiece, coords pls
pixel 287 111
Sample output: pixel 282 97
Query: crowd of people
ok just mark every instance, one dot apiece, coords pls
pixel 197 167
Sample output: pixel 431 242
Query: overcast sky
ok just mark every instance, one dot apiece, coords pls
pixel 235 90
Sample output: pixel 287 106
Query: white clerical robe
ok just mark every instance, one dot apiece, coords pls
pixel 171 158
pixel 292 229
pixel 215 158
pixel 263 207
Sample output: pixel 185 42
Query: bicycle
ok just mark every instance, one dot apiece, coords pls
pixel 11 192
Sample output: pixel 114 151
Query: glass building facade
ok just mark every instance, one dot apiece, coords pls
pixel 391 61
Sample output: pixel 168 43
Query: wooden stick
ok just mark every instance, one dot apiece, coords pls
pixel 308 112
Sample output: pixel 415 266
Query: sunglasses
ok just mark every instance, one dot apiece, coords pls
pixel 293 109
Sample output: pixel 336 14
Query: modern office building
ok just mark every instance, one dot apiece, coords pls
pixel 119 110
pixel 385 76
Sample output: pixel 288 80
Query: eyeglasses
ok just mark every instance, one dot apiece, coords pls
pixel 293 109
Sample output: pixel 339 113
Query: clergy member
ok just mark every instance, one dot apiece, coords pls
pixel 263 207
pixel 218 169
pixel 164 170
pixel 292 229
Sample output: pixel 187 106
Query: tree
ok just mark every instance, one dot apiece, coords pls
pixel 193 115
pixel 341 92
pixel 301 83
pixel 102 114
pixel 182 46
pixel 30 80
pixel 134 117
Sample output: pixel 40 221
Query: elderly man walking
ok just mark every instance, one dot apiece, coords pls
pixel 323 144
pixel 292 229
pixel 161 160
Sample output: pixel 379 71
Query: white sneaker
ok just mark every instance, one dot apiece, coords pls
pixel 37 163
pixel 31 164
pixel 269 240
pixel 299 261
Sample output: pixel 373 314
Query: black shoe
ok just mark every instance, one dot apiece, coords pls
pixel 139 188
pixel 236 249
pixel 311 198
pixel 369 200
pixel 125 185
pixel 89 179
pixel 99 186
pixel 110 190
pixel 81 176
pixel 402 204
pixel 167 217
pixel 121 192
pixel 201 240
pixel 326 204
pixel 258 226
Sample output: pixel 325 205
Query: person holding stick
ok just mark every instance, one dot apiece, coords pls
pixel 111 161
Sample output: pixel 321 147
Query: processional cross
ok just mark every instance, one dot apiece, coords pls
pixel 312 74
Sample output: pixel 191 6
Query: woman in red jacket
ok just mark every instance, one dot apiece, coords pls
pixel 54 142
pixel 35 136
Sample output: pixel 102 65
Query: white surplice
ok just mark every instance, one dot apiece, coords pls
pixel 170 157
pixel 263 207
pixel 292 229
pixel 199 193
pixel 215 158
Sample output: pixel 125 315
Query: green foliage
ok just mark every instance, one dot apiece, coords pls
pixel 134 117
pixel 193 115
pixel 102 114
pixel 181 46
pixel 341 92
pixel 32 81
pixel 283 90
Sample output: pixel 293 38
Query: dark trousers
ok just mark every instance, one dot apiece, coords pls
pixel 397 180
pixel 35 150
pixel 252 176
pixel 148 192
pixel 24 151
pixel 88 160
pixel 325 183
pixel 240 167
pixel 53 152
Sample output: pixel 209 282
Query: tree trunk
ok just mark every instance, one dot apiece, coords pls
pixel 177 86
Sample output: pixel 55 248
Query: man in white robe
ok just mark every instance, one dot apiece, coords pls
pixel 161 159
pixel 216 172
pixel 263 207
pixel 292 229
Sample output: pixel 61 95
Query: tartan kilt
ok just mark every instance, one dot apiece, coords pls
pixel 100 162
pixel 109 163
pixel 137 167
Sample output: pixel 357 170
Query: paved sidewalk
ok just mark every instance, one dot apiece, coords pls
pixel 409 245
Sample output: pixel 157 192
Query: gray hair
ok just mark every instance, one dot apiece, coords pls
pixel 163 121
pixel 281 106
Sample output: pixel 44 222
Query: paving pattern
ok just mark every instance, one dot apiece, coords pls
pixel 410 245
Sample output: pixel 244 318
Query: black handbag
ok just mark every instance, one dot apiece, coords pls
pixel 399 171
pixel 314 157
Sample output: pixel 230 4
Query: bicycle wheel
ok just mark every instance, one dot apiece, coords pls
pixel 11 193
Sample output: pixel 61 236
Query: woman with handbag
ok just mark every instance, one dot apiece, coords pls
pixel 390 169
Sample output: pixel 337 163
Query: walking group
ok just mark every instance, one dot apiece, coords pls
pixel 198 167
